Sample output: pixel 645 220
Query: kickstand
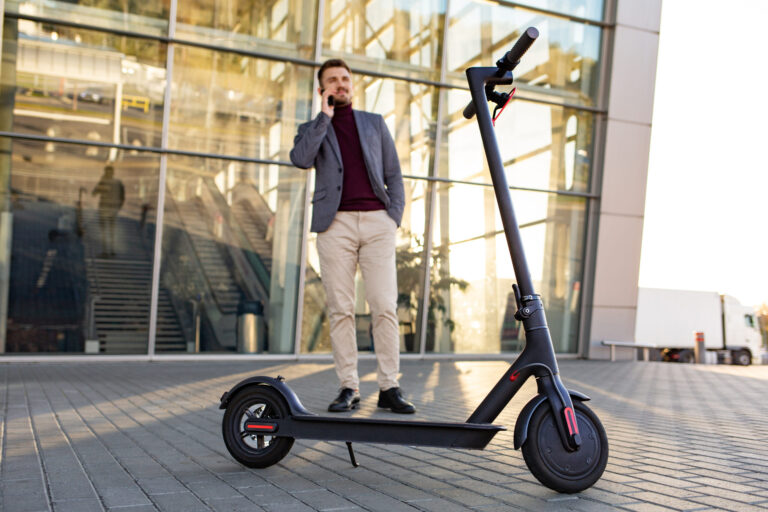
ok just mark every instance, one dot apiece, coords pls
pixel 352 455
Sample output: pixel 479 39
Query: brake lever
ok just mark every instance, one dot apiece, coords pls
pixel 506 98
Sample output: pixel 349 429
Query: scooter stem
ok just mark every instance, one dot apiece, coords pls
pixel 477 78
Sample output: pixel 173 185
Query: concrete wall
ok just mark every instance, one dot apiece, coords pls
pixel 632 78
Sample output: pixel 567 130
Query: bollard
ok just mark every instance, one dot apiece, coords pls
pixel 698 348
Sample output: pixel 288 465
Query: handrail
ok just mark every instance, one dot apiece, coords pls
pixel 250 271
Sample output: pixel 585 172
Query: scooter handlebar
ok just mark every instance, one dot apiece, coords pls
pixel 513 56
pixel 509 61
pixel 469 110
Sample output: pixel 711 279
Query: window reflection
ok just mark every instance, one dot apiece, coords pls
pixel 471 303
pixel 562 63
pixel 144 17
pixel 278 27
pixel 235 105
pixel 82 84
pixel 542 146
pixel 401 38
pixel 410 112
pixel 230 246
pixel 81 249
pixel 410 283
pixel 590 9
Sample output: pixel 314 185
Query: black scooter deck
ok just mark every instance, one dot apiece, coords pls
pixel 418 433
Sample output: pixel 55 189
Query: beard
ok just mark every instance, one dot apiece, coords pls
pixel 342 102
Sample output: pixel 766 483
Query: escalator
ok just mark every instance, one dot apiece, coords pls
pixel 216 259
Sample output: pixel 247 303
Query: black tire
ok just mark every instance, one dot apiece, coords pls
pixel 255 451
pixel 552 464
pixel 741 357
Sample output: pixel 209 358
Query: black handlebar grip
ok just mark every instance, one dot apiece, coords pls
pixel 521 46
pixel 469 110
pixel 509 61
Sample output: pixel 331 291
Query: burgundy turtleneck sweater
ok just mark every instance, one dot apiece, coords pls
pixel 356 193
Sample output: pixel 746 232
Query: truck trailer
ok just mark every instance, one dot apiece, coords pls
pixel 670 320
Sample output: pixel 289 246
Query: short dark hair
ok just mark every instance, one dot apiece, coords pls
pixel 331 63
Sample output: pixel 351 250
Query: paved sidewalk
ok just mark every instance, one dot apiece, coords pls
pixel 147 436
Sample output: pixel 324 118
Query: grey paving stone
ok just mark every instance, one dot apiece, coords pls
pixel 293 506
pixel 86 505
pixel 267 495
pixel 213 488
pixel 179 502
pixel 123 496
pixel 437 505
pixel 377 501
pixel 237 504
pixel 160 485
pixel 139 508
pixel 242 479
pixel 322 499
pixel 24 495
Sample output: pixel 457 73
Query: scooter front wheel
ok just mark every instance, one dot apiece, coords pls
pixel 250 449
pixel 554 466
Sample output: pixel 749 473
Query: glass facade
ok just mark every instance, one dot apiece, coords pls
pixel 147 204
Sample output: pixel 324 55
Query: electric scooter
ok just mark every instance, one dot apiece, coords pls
pixel 563 442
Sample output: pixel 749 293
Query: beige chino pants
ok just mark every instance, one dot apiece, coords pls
pixel 367 239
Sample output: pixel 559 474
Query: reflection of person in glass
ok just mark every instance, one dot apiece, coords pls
pixel 358 205
pixel 111 198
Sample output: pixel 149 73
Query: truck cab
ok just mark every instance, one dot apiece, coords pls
pixel 741 334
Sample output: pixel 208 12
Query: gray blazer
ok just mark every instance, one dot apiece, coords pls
pixel 316 144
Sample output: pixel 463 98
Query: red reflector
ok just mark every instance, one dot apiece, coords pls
pixel 255 426
pixel 570 419
pixel 514 376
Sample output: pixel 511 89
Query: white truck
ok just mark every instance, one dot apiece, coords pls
pixel 669 320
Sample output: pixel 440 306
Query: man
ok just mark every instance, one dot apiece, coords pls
pixel 358 205
pixel 111 194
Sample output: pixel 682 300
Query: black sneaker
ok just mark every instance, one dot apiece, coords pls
pixel 393 399
pixel 346 401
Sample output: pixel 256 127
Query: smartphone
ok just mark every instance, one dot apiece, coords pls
pixel 330 98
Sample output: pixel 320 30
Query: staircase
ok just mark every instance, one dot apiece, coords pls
pixel 120 288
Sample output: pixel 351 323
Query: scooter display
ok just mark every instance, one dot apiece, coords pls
pixel 563 442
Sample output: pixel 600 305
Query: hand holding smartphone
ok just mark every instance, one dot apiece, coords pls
pixel 327 103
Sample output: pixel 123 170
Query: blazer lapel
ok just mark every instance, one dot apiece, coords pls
pixel 362 132
pixel 334 143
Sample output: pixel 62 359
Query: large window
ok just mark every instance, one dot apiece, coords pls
pixel 562 66
pixel 228 104
pixel 400 38
pixel 471 305
pixel 230 251
pixel 120 123
pixel 81 249
pixel 275 27
pixel 542 146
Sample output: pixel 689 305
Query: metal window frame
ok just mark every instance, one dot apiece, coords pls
pixel 161 188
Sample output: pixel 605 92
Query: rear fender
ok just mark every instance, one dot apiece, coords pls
pixel 524 419
pixel 294 404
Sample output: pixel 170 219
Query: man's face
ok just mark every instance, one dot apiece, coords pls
pixel 338 81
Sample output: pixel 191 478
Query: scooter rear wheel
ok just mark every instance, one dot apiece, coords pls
pixel 558 468
pixel 253 450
